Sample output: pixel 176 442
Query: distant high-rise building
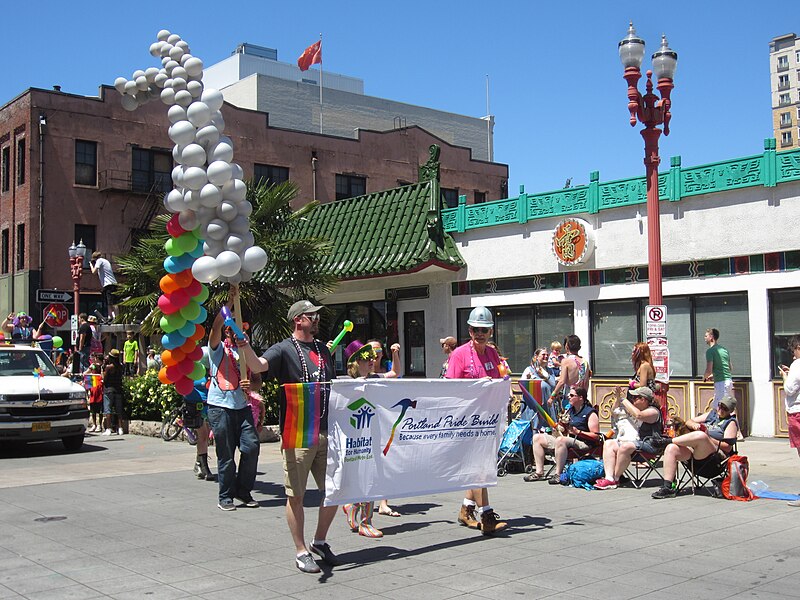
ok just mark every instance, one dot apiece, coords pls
pixel 784 75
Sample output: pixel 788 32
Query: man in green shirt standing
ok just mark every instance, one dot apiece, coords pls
pixel 130 351
pixel 718 366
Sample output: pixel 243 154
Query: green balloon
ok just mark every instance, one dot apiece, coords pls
pixel 165 325
pixel 186 242
pixel 175 320
pixel 202 295
pixel 172 248
pixel 191 311
pixel 57 341
pixel 198 372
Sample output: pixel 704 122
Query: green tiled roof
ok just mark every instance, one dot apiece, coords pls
pixel 385 233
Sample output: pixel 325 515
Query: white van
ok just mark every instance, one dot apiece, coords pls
pixel 35 402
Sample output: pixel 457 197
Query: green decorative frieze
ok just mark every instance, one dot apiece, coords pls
pixel 767 169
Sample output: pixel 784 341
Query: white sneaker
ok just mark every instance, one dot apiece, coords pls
pixel 90 429
pixel 120 432
pixel 107 432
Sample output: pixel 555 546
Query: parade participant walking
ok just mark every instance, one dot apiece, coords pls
pixel 302 358
pixel 230 416
pixel 575 371
pixel 475 360
pixel 108 283
pixel 718 366
pixel 791 387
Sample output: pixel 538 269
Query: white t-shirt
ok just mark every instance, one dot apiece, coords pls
pixel 105 273
pixel 792 388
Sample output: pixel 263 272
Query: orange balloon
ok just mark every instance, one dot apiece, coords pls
pixel 162 376
pixel 168 284
pixel 172 357
pixel 188 346
pixel 199 333
pixel 183 278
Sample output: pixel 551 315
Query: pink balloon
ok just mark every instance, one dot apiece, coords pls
pixel 166 305
pixel 195 354
pixel 184 386
pixel 174 373
pixel 179 298
pixel 174 227
pixel 193 288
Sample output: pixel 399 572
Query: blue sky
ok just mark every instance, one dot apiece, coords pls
pixel 556 84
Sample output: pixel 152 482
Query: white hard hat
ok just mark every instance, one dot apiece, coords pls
pixel 480 317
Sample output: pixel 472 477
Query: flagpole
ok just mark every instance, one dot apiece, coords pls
pixel 320 84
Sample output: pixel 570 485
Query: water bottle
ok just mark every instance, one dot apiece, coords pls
pixel 757 487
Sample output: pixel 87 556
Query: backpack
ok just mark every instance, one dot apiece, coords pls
pixel 734 485
pixel 584 473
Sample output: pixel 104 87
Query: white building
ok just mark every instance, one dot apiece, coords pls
pixel 784 78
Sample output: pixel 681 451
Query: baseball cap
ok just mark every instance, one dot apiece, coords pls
pixel 643 391
pixel 449 340
pixel 300 307
pixel 728 402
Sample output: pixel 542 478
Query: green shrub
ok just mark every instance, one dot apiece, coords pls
pixel 269 391
pixel 147 398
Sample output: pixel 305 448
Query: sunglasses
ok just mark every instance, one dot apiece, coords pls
pixel 378 350
pixel 311 316
pixel 480 330
pixel 572 395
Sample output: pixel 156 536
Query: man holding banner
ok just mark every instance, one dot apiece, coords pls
pixel 476 360
pixel 304 367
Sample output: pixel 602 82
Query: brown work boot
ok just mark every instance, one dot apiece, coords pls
pixel 467 517
pixel 490 523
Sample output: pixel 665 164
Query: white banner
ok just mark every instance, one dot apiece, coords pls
pixel 394 438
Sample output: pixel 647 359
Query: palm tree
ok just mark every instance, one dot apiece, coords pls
pixel 291 273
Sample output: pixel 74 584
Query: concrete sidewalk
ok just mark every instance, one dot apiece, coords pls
pixel 126 518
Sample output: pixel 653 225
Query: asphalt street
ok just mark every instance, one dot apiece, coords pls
pixel 126 518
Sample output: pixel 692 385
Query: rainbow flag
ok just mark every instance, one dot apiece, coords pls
pixel 532 390
pixel 303 409
pixel 92 381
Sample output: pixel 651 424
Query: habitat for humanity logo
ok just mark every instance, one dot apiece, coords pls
pixel 405 404
pixel 363 411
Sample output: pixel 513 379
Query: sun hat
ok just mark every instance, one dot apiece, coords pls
pixel 357 350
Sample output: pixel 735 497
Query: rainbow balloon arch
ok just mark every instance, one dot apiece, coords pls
pixel 210 237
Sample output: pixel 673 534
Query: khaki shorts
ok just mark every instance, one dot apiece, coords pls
pixel 299 462
pixel 550 442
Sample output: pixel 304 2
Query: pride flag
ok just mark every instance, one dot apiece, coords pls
pixel 92 381
pixel 532 390
pixel 303 409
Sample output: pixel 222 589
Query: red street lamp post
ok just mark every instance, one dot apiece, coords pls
pixel 76 254
pixel 651 112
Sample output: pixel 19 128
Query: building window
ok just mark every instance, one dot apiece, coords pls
pixel 783 62
pixel 783 82
pixel 151 170
pixel 517 327
pixel 85 163
pixel 615 329
pixel 270 174
pixel 4 250
pixel 88 235
pixel 21 161
pixel 784 99
pixel 729 314
pixel 20 246
pixel 450 197
pixel 414 334
pixel 5 164
pixel 784 319
pixel 786 119
pixel 349 186
pixel 480 197
pixel 786 138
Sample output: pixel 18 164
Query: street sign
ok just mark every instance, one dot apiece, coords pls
pixel 73 329
pixel 655 320
pixel 55 315
pixel 48 296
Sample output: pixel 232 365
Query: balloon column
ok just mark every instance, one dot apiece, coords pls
pixel 209 230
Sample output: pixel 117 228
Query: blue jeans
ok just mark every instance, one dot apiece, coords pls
pixel 234 428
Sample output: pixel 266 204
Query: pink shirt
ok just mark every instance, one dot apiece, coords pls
pixel 466 363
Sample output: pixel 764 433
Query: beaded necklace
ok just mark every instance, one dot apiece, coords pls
pixel 306 375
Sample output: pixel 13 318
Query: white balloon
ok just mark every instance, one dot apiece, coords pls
pixel 182 132
pixel 204 269
pixel 245 208
pixel 137 73
pixel 210 196
pixel 236 171
pixel 177 175
pixel 254 259
pixel 211 247
pixel 176 53
pixel 240 224
pixel 193 155
pixel 188 220
pixel 222 151
pixel 227 211
pixel 178 84
pixel 163 35
pixel 191 199
pixel 208 136
pixel 168 96
pixel 174 38
pixel 194 67
pixel 228 263
pixel 183 46
pixel 164 62
pixel 213 98
pixel 235 243
pixel 219 172
pixel 155 48
pixel 194 178
pixel 200 115
pixel 171 66
pixel 177 153
pixel 183 98
pixel 217 229
pixel 248 238
pixel 245 275
pixel 141 83
pixel 176 113
pixel 234 190
pixel 151 73
pixel 129 102
pixel 195 88
pixel 206 213
pixel 119 84
pixel 234 279
pixel 165 48
pixel 160 79
pixel 218 121
pixel 174 201
pixel 131 88
pixel 180 72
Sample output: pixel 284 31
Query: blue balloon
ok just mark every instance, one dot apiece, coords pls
pixel 187 330
pixel 173 340
pixel 184 261
pixel 193 397
pixel 201 318
pixel 170 265
pixel 197 252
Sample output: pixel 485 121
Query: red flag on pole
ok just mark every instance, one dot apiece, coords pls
pixel 311 56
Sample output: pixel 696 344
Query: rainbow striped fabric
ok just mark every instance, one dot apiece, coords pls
pixel 532 389
pixel 92 381
pixel 303 409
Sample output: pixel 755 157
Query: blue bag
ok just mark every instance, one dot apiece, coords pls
pixel 584 473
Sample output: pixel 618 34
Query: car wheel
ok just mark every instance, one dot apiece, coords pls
pixel 73 443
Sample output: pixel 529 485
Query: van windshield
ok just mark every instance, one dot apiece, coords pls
pixel 15 363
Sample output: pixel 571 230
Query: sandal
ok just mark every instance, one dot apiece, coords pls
pixel 534 477
pixel 389 513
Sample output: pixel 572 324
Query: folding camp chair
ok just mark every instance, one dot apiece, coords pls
pixel 699 473
pixel 645 464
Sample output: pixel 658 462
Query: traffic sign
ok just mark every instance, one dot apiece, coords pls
pixel 48 296
pixel 55 315
pixel 655 323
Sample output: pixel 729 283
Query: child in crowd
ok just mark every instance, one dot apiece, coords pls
pixel 93 381
pixel 554 360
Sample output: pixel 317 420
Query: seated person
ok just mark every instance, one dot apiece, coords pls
pixel 581 432
pixel 713 439
pixel 645 421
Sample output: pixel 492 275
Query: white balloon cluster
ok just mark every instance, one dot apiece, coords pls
pixel 209 193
